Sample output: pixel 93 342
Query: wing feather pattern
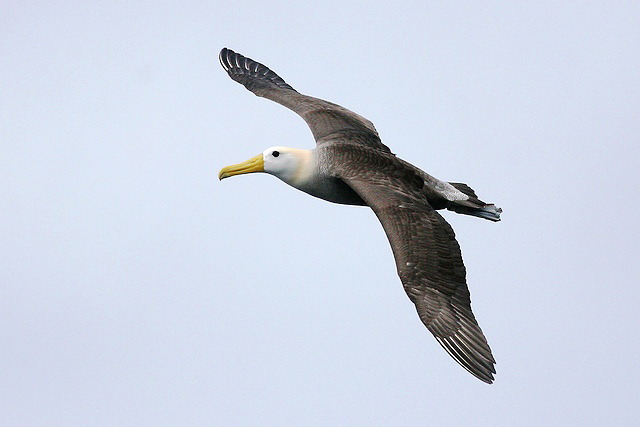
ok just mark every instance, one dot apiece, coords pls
pixel 427 255
pixel 326 120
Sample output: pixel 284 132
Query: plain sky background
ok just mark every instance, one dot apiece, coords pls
pixel 137 289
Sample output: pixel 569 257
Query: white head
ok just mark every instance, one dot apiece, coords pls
pixel 288 164
pixel 292 165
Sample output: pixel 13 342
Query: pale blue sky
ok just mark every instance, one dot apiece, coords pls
pixel 137 289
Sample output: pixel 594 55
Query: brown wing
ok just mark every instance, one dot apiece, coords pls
pixel 427 256
pixel 325 119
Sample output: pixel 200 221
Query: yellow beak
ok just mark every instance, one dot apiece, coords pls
pixel 254 164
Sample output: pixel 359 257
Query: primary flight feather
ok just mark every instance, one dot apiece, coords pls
pixel 350 165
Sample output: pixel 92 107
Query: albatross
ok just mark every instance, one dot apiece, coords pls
pixel 350 165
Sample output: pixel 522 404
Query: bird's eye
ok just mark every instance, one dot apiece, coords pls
pixel 275 153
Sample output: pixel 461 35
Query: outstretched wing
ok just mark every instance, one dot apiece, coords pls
pixel 427 256
pixel 325 119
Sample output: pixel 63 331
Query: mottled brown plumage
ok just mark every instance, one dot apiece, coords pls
pixel 351 165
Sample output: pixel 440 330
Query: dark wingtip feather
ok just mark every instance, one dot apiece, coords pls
pixel 479 367
pixel 463 339
pixel 251 74
pixel 469 348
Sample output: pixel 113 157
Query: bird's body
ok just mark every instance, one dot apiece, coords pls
pixel 350 165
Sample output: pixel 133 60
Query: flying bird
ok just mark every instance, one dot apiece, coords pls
pixel 350 165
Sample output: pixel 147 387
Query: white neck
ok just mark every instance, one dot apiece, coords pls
pixel 294 166
pixel 300 169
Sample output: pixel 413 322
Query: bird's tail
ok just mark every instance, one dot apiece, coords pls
pixel 473 206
